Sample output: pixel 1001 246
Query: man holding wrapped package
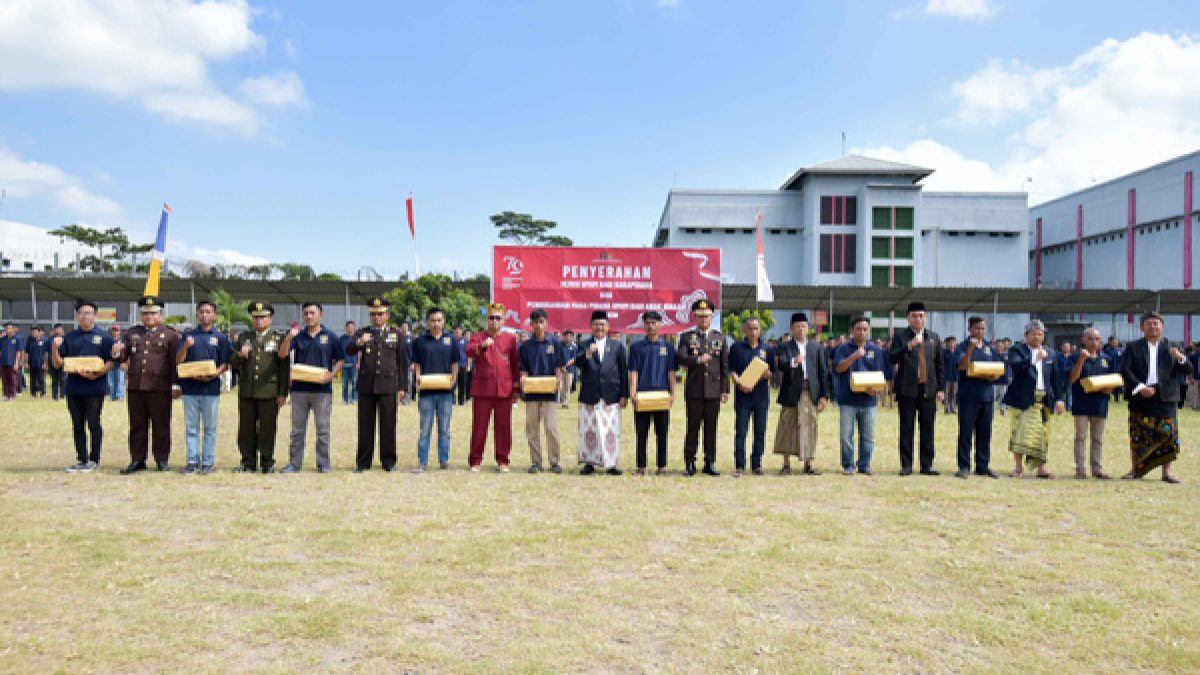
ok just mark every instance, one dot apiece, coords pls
pixel 497 372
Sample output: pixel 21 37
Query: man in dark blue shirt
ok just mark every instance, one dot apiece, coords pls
pixel 434 353
pixel 542 355
pixel 85 388
pixel 10 360
pixel 315 346
pixel 1090 411
pixel 570 351
pixel 1114 351
pixel 976 399
pixel 349 366
pixel 950 366
pixel 202 394
pixel 858 354
pixel 652 369
pixel 751 400
pixel 37 352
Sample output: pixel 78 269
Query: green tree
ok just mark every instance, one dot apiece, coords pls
pixel 731 322
pixel 114 251
pixel 413 298
pixel 295 272
pixel 230 310
pixel 524 229
pixel 329 276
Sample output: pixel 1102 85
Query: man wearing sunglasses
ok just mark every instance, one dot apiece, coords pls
pixel 494 390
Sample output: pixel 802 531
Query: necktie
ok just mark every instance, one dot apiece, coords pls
pixel 922 369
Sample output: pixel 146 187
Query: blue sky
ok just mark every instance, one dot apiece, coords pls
pixel 294 131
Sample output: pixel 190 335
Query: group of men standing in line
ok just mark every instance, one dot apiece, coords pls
pixel 611 377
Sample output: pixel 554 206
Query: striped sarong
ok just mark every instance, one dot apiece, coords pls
pixel 1029 435
pixel 796 434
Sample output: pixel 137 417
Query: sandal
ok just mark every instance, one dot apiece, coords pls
pixel 785 471
pixel 1016 474
pixel 1046 475
pixel 1172 480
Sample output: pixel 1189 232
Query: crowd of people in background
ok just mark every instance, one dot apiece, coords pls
pixel 381 367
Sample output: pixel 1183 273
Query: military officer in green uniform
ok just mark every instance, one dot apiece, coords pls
pixel 382 366
pixel 262 388
pixel 704 355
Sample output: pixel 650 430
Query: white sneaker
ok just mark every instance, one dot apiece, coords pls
pixel 76 467
pixel 89 467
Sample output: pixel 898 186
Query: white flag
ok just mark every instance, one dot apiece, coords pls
pixel 764 292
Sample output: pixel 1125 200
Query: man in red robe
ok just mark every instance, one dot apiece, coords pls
pixel 494 389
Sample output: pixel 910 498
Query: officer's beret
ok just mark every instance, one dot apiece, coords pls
pixel 150 303
pixel 258 308
pixel 703 307
pixel 378 305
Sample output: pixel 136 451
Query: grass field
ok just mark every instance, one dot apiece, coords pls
pixel 453 571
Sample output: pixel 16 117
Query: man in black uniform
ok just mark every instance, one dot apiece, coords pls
pixel 920 386
pixel 262 388
pixel 704 356
pixel 382 377
pixel 149 350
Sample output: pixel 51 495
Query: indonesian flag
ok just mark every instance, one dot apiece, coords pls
pixel 412 228
pixel 764 292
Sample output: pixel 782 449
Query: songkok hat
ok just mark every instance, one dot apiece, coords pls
pixel 799 316
pixel 915 307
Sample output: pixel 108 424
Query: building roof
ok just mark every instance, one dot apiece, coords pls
pixel 857 165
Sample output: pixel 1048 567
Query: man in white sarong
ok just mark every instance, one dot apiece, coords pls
pixel 603 390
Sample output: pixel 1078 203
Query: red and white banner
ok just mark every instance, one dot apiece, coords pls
pixel 572 282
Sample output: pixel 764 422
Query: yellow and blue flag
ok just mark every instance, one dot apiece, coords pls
pixel 160 253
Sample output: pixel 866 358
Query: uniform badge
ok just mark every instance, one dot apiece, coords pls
pixel 762 353
pixel 271 346
pixel 212 341
pixel 549 349
pixel 391 337
pixel 662 351
pixel 324 339
pixel 446 340
pixel 97 339
pixel 1104 362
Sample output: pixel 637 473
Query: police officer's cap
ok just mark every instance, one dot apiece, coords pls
pixel 150 303
pixel 259 308
pixel 703 307
pixel 378 305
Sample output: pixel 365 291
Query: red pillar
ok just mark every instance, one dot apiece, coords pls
pixel 1129 246
pixel 1188 182
pixel 1037 257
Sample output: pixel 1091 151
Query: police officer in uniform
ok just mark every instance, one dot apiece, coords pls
pixel 262 388
pixel 382 380
pixel 149 351
pixel 704 356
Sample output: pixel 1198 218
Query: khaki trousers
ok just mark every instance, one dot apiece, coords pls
pixel 1084 424
pixel 544 413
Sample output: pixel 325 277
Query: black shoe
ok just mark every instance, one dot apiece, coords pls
pixel 962 473
pixel 710 470
pixel 587 470
pixel 290 469
pixel 389 469
pixel 190 469
pixel 906 472
pixel 555 468
pixel 689 468
pixel 613 471
pixel 244 468
pixel 162 466
pixel 359 469
pixel 268 469
pixel 133 467
pixel 930 472
pixel 987 473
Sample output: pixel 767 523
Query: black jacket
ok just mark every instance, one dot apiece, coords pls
pixel 908 365
pixel 607 380
pixel 1135 369
pixel 816 365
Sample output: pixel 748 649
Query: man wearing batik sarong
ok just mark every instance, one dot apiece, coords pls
pixel 803 394
pixel 1151 368
pixel 1035 391
pixel 603 392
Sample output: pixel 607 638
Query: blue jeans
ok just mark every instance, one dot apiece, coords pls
pixel 865 417
pixel 349 384
pixel 740 425
pixel 116 383
pixel 429 404
pixel 199 410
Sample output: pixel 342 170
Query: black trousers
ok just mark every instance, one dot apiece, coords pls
pixel 37 382
pixel 85 419
pixel 58 382
pixel 258 419
pixel 975 419
pixel 916 409
pixel 463 386
pixel 371 406
pixel 662 423
pixel 701 410
pixel 149 409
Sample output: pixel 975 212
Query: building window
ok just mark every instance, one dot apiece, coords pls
pixel 839 210
pixel 881 218
pixel 881 248
pixel 888 276
pixel 839 253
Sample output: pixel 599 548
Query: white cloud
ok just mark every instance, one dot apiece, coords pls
pixel 23 179
pixel 217 256
pixel 156 52
pixel 961 9
pixel 279 90
pixel 1118 107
